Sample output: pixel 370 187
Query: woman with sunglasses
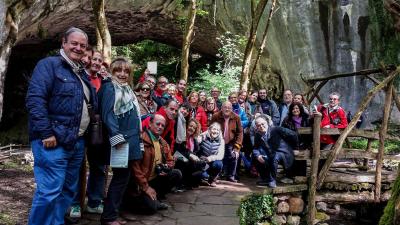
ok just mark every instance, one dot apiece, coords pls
pixel 147 105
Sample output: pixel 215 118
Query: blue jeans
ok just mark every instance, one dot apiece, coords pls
pixel 268 170
pixel 230 162
pixel 56 173
pixel 213 171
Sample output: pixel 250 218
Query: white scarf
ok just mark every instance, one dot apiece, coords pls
pixel 180 129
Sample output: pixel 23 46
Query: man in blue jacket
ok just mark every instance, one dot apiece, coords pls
pixel 58 101
pixel 268 106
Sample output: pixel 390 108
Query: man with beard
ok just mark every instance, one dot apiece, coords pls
pixel 267 106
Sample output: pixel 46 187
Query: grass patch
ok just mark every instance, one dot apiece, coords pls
pixel 14 165
pixel 390 145
pixel 7 219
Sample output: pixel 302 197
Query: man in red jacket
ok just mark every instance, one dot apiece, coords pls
pixel 169 111
pixel 333 116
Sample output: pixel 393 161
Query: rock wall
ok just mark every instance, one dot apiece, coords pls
pixel 313 38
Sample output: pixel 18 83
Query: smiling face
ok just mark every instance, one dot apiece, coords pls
pixel 242 97
pixel 333 100
pixel 210 105
pixel 87 58
pixel 162 83
pixel 226 109
pixel 298 99
pixel 288 96
pixel 121 75
pixel 296 111
pixel 181 86
pixel 145 91
pixel 262 93
pixel 194 98
pixel 171 110
pixel 233 99
pixel 96 62
pixel 184 111
pixel 214 132
pixel 202 96
pixel 253 97
pixel 191 129
pixel 75 45
pixel 261 125
pixel 157 125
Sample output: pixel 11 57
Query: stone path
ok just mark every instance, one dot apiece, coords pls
pixel 201 206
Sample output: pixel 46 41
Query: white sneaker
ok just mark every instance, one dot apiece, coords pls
pixel 75 212
pixel 286 180
pixel 96 210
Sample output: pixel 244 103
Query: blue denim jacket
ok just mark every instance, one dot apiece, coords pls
pixel 54 101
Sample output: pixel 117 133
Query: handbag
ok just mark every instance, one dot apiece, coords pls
pixel 95 129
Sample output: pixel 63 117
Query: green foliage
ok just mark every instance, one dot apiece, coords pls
pixel 391 146
pixel 255 208
pixel 228 67
pixel 16 166
pixel 389 211
pixel 6 219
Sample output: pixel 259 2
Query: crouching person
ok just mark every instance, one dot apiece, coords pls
pixel 154 175
pixel 212 149
pixel 273 145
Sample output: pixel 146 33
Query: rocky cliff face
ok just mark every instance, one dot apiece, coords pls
pixel 312 38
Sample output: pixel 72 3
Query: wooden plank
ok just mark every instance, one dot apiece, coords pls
pixel 353 178
pixel 349 197
pixel 286 189
pixel 346 153
pixel 314 169
pixel 369 134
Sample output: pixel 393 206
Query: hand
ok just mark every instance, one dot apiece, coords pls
pixel 261 159
pixel 49 142
pixel 327 126
pixel 235 154
pixel 151 193
pixel 194 157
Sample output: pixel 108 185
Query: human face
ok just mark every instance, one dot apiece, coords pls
pixel 194 98
pixel 172 91
pixel 333 100
pixel 162 83
pixel 75 46
pixel 184 111
pixel 121 75
pixel 172 110
pixel 210 106
pixel 226 109
pixel 145 91
pixel 158 125
pixel 288 97
pixel 214 132
pixel 191 128
pixel 242 97
pixel 181 86
pixel 296 111
pixel 253 97
pixel 152 82
pixel 261 125
pixel 298 99
pixel 103 71
pixel 202 96
pixel 96 62
pixel 87 59
pixel 233 99
pixel 215 93
pixel 262 94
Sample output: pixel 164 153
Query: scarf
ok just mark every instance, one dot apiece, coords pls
pixel 124 98
pixel 180 129
pixel 76 67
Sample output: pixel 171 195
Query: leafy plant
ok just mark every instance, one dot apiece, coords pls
pixel 391 146
pixel 255 208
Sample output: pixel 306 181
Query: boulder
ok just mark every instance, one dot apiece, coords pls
pixel 296 205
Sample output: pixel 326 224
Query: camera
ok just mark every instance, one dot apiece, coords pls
pixel 162 168
pixel 336 121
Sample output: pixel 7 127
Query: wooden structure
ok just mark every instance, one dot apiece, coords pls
pixel 316 180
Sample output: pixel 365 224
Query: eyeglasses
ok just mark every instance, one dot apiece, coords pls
pixel 333 99
pixel 159 124
pixel 145 89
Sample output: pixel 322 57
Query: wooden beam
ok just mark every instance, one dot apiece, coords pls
pixel 349 197
pixel 316 91
pixel 357 73
pixel 286 189
pixel 368 149
pixel 339 143
pixel 369 134
pixel 314 169
pixel 346 153
pixel 396 97
pixel 382 136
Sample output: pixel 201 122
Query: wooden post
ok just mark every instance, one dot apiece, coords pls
pixel 363 105
pixel 369 147
pixel 314 169
pixel 382 136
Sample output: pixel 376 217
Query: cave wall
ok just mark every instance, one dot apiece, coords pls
pixel 312 38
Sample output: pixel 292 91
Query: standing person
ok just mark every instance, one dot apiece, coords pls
pixel 202 98
pixel 233 98
pixel 215 94
pixel 180 94
pixel 333 116
pixel 146 103
pixel 211 109
pixel 58 119
pixel 268 106
pixel 300 99
pixel 284 106
pixel 233 137
pixel 197 111
pixel 160 89
pixel 251 105
pixel 96 155
pixel 169 94
pixel 242 97
pixel 120 113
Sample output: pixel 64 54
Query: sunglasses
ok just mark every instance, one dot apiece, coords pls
pixel 145 89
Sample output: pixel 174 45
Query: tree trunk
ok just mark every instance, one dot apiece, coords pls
pixel 187 38
pixel 8 36
pixel 264 41
pixel 102 33
pixel 244 77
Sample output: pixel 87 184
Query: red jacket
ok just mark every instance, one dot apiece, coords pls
pixel 335 119
pixel 158 92
pixel 201 116
pixel 95 81
pixel 179 97
pixel 169 132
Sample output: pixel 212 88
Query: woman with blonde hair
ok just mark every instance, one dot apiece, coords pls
pixel 197 110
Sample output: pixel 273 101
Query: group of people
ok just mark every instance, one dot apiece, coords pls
pixel 175 141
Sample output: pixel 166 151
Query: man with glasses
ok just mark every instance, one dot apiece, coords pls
pixel 215 94
pixel 333 116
